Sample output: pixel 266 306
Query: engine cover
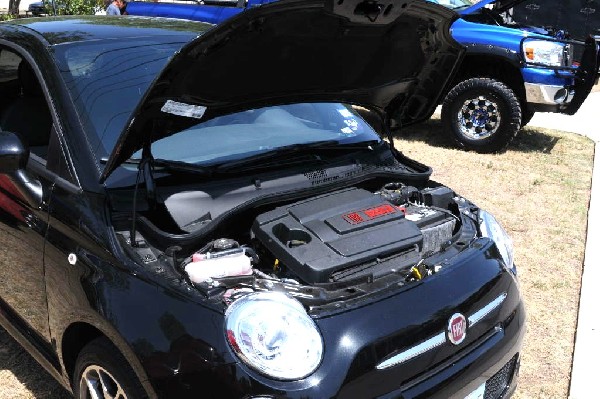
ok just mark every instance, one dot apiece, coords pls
pixel 322 235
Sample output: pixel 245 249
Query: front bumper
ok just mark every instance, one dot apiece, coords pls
pixel 492 364
pixel 555 90
pixel 366 335
pixel 359 341
pixel 541 94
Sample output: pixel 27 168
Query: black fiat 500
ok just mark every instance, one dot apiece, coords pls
pixel 203 211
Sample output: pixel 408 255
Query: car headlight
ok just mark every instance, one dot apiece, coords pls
pixel 490 228
pixel 548 53
pixel 272 333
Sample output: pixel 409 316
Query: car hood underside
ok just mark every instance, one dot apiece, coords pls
pixel 392 58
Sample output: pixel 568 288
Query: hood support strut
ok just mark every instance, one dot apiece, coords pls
pixel 145 168
pixel 388 131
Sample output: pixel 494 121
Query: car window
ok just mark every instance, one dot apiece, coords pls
pixel 23 106
pixel 107 79
pixel 9 63
pixel 247 133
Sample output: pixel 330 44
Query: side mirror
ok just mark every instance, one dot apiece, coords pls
pixel 13 153
pixel 14 156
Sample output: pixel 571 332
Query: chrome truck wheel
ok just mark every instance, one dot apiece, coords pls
pixel 478 118
pixel 482 115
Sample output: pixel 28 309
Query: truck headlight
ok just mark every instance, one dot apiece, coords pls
pixel 490 228
pixel 548 53
pixel 272 333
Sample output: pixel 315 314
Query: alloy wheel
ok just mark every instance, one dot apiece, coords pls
pixel 97 383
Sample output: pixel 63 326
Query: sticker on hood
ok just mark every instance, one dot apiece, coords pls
pixel 183 109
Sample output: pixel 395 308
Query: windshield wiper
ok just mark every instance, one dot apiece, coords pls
pixel 276 154
pixel 166 165
pixel 281 153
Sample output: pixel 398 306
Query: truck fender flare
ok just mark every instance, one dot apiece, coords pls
pixel 494 51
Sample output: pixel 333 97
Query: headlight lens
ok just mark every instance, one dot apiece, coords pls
pixel 492 229
pixel 547 53
pixel 272 333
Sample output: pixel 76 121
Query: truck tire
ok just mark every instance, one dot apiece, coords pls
pixel 482 114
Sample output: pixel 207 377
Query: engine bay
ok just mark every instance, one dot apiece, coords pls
pixel 505 18
pixel 332 237
pixel 326 247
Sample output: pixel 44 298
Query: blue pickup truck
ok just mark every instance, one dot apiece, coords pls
pixel 510 70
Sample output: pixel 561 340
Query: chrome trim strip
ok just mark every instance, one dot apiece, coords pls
pixel 414 351
pixel 487 309
pixel 440 338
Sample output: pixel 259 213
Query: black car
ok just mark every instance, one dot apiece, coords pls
pixel 191 210
pixel 37 8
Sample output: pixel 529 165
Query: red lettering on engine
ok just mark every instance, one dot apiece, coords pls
pixel 381 210
pixel 354 218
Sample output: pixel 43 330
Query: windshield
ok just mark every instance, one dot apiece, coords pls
pixel 107 79
pixel 245 134
pixel 453 4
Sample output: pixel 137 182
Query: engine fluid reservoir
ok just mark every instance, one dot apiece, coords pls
pixel 226 266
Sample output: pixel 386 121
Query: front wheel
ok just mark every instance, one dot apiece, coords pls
pixel 102 372
pixel 482 114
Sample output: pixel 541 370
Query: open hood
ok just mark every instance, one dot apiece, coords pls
pixel 392 57
pixel 499 5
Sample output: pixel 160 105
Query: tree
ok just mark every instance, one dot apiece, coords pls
pixel 13 7
pixel 73 7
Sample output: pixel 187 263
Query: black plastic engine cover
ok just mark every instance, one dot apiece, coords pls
pixel 321 235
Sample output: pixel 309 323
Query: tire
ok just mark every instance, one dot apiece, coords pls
pixel 101 365
pixel 482 114
pixel 527 115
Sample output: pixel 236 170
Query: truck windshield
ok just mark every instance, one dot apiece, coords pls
pixel 453 4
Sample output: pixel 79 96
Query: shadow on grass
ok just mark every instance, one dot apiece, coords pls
pixel 529 139
pixel 36 382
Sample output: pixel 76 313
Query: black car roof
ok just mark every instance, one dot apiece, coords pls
pixel 68 29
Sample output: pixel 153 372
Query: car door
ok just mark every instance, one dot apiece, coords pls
pixel 24 198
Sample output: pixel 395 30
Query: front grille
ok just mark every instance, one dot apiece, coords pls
pixel 496 386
